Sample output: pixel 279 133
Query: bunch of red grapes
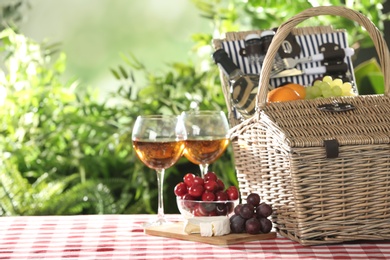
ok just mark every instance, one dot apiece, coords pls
pixel 251 217
pixel 209 188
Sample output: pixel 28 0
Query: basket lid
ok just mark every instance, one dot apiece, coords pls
pixel 305 124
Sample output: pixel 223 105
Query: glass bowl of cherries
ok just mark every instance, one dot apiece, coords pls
pixel 207 196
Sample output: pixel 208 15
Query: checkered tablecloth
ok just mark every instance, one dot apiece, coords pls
pixel 121 237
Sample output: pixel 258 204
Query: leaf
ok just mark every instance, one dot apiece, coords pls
pixel 372 83
pixel 123 71
pixel 369 78
pixel 115 73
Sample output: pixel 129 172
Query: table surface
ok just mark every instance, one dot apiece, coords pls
pixel 122 237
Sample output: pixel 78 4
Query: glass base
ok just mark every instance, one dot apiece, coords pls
pixel 156 222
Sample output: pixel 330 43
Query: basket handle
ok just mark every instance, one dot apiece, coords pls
pixel 282 32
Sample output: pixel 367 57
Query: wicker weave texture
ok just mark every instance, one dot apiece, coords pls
pixel 280 154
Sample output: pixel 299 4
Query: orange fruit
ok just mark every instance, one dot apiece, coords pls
pixel 283 94
pixel 298 88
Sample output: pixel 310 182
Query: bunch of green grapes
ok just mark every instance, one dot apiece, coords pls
pixel 329 87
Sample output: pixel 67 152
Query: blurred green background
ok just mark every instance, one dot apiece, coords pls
pixel 93 33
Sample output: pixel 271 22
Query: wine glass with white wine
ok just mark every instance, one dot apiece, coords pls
pixel 158 141
pixel 207 137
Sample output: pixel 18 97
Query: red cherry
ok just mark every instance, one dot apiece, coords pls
pixel 221 185
pixel 213 213
pixel 199 211
pixel 210 176
pixel 221 196
pixel 189 201
pixel 208 196
pixel 211 185
pixel 196 190
pixel 181 189
pixel 232 193
pixel 197 180
pixel 188 179
pixel 188 197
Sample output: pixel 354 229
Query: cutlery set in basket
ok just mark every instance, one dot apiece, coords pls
pixel 326 174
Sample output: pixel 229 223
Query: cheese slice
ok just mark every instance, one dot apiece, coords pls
pixel 206 229
pixel 207 226
pixel 221 227
pixel 190 228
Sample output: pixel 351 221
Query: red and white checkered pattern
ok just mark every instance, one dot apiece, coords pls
pixel 121 237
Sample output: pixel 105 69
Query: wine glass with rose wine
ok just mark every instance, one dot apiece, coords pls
pixel 207 137
pixel 158 141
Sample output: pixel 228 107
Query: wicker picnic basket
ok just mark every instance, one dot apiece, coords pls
pixel 326 174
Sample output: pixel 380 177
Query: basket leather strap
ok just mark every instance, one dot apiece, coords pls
pixel 331 148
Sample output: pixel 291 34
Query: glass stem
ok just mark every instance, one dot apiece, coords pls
pixel 203 169
pixel 160 185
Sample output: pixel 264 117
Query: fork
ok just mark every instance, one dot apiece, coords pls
pixel 289 63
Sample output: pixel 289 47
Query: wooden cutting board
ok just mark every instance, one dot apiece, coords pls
pixel 175 230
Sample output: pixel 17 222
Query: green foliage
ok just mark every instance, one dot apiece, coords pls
pixel 49 133
pixel 10 14
pixel 181 88
pixel 73 155
pixel 239 15
pixel 48 195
